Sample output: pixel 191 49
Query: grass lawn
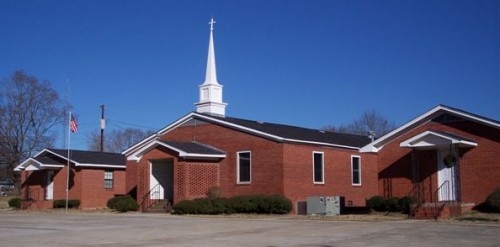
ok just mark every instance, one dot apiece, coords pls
pixel 4 201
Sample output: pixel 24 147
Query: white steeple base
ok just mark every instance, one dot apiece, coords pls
pixel 212 108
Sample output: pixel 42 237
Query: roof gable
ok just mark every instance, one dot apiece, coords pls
pixel 439 113
pixel 187 150
pixel 56 158
pixel 272 131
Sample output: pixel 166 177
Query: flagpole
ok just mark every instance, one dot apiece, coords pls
pixel 68 165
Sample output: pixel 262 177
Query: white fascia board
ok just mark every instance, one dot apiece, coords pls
pixel 100 165
pixel 322 144
pixel 408 143
pixel 140 146
pixel 195 155
pixel 137 155
pixel 25 164
pixel 378 144
pixel 427 116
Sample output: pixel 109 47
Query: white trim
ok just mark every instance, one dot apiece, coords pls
pixel 238 180
pixel 424 118
pixel 352 170
pixel 320 143
pixel 31 162
pixel 101 165
pixel 132 152
pixel 322 167
pixel 137 155
pixel 449 140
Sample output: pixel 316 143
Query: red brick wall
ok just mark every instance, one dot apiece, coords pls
pixel 298 174
pixel 266 157
pixel 93 193
pixel 277 168
pixel 479 166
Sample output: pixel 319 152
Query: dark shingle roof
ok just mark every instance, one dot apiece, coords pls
pixel 194 147
pixel 299 133
pixel 83 157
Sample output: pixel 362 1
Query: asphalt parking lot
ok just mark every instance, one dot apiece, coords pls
pixel 98 229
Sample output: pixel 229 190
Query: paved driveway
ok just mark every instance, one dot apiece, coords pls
pixel 85 229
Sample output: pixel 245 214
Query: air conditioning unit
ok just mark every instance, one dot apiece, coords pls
pixel 325 205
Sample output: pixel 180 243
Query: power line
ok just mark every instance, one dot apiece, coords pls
pixel 130 124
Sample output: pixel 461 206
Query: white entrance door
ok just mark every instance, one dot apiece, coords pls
pixel 447 178
pixel 157 180
pixel 49 189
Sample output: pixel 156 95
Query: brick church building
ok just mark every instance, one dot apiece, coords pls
pixel 207 149
pixel 446 158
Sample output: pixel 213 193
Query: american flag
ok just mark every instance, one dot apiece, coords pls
pixel 73 124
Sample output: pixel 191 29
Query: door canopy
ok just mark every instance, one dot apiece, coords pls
pixel 431 139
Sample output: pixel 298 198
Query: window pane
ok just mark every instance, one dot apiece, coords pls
pixel 355 177
pixel 244 167
pixel 318 167
pixel 356 170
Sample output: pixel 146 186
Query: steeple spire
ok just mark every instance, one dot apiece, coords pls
pixel 211 75
pixel 211 91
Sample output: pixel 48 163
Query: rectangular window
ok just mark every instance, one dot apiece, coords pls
pixel 356 170
pixel 318 168
pixel 108 179
pixel 244 167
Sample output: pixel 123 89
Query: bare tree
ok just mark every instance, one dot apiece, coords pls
pixel 28 111
pixel 369 123
pixel 117 140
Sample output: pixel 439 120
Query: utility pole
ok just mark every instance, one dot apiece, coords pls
pixel 103 125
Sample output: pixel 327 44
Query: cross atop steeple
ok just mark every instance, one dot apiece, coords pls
pixel 211 23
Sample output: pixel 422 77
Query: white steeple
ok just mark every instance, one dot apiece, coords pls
pixel 211 91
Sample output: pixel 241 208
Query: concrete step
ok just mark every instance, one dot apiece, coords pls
pixel 442 210
pixel 160 206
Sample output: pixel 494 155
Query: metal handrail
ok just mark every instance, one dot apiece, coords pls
pixel 30 196
pixel 439 205
pixel 416 192
pixel 151 198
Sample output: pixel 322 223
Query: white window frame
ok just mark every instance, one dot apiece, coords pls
pixel 109 178
pixel 322 168
pixel 238 180
pixel 352 170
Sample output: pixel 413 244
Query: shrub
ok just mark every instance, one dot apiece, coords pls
pixel 404 203
pixel 376 203
pixel 259 204
pixel 122 203
pixel 72 203
pixel 392 204
pixel 15 203
pixel 493 201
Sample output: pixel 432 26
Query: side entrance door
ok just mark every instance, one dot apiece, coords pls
pixel 161 181
pixel 49 188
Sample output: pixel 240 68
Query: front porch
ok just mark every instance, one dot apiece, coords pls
pixel 436 177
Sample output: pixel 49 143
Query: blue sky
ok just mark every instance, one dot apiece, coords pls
pixel 305 63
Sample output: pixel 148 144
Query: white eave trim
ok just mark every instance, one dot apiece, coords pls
pixel 100 165
pixel 132 152
pixel 427 116
pixel 422 136
pixel 321 143
pixel 31 162
pixel 138 154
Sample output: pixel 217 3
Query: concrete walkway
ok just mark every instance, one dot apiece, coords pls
pixel 95 229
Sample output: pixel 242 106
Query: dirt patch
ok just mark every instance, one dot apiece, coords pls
pixel 478 217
